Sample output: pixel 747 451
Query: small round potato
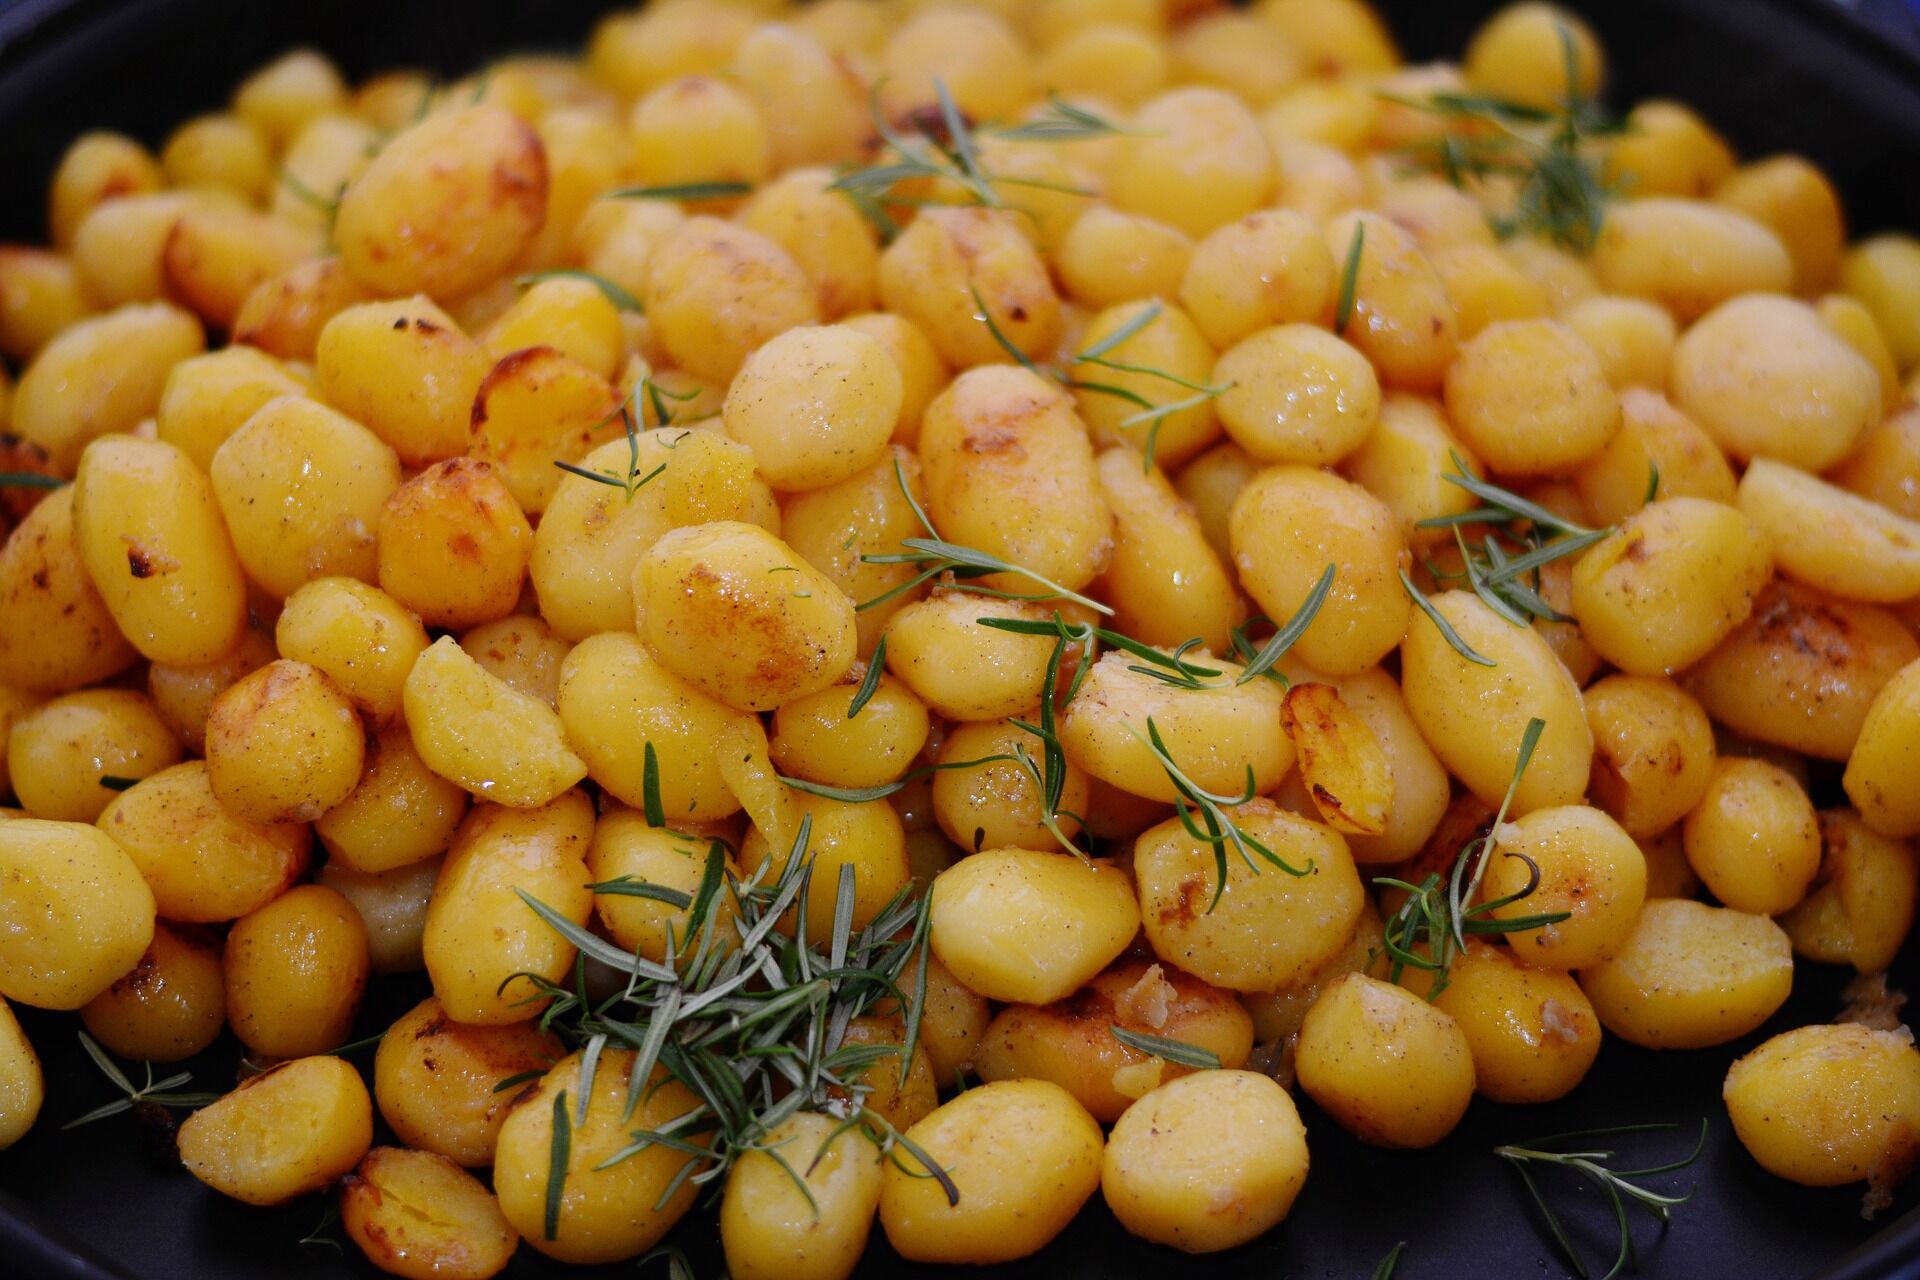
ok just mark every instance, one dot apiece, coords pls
pixel 1206 1162
pixel 1687 255
pixel 295 971
pixel 284 1133
pixel 169 1006
pixel 607 1212
pixel 454 545
pixel 472 728
pixel 997 805
pixel 1297 394
pixel 935 270
pixel 1588 867
pixel 816 404
pixel 717 292
pixel 1533 1032
pixel 60 632
pixel 1862 905
pixel 184 695
pixel 392 905
pixel 1030 927
pixel 1881 764
pixel 63 754
pixel 1269 926
pixel 403 369
pixel 284 744
pixel 1022 1153
pixel 23 1087
pixel 446 206
pixel 1196 162
pixel 1690 975
pixel 398 814
pixel 1827 1105
pixel 435 1079
pixel 420 1216
pixel 771 1229
pixel 736 612
pixel 1390 1068
pixel 1653 752
pixel 75 916
pixel 1753 838
pixel 1530 398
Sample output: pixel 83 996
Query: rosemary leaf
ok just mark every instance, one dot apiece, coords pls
pixel 870 682
pixel 557 1157
pixel 1349 278
pixel 682 191
pixel 650 787
pixel 1451 636
pixel 615 293
pixel 28 480
pixel 1178 1052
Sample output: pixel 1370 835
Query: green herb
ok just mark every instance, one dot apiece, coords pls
pixel 1349 278
pixel 751 1017
pixel 1616 1185
pixel 615 293
pixel 1452 637
pixel 870 682
pixel 1170 668
pixel 632 482
pixel 683 191
pixel 557 1156
pixel 355 1046
pixel 1178 1052
pixel 1562 194
pixel 1151 413
pixel 152 1092
pixel 1390 1263
pixel 317 1238
pixel 1260 663
pixel 1049 777
pixel 629 887
pixel 113 782
pixel 1653 483
pixel 1429 931
pixel 1519 538
pixel 1061 121
pixel 28 480
pixel 934 557
pixel 650 787
pixel 1204 815
pixel 862 795
pixel 519 1078
pixel 328 209
pixel 678 1268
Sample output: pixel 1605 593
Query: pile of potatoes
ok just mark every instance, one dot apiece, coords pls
pixel 312 660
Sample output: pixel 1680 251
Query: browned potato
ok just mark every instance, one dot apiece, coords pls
pixel 419 1215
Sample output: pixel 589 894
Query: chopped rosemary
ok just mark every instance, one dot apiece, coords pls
pixel 1220 830
pixel 1562 193
pixel 28 480
pixel 1653 483
pixel 752 1018
pixel 934 557
pixel 1349 278
pixel 870 682
pixel 151 1093
pixel 682 191
pixel 1520 538
pixel 1616 1184
pixel 1429 931
pixel 615 293
pixel 1178 1052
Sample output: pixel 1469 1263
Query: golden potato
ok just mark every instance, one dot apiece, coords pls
pixel 481 937
pixel 1389 1068
pixel 1653 752
pixel 998 805
pixel 1668 150
pixel 1654 437
pixel 75 916
pixel 22 1085
pixel 821 737
pixel 1402 319
pixel 202 863
pixel 40 294
pixel 454 545
pixel 1109 256
pixel 1860 908
pixel 816 404
pixel 152 540
pixel 1343 767
pixel 1827 1105
pixel 1802 670
pixel 206 398
pixel 418 1215
pixel 60 632
pixel 1027 926
pixel 405 370
pixel 1877 766
pixel 571 316
pixel 447 204
pixel 1206 1162
pixel 1830 538
pixel 932 273
pixel 284 316
pixel 284 1133
pixel 1690 975
pixel 1267 926
pixel 392 906
pixel 1687 255
pixel 434 1080
pixel 1530 398
pixel 606 1212
pixel 1024 1157
pixel 772 1229
pixel 1587 867
pixel 363 639
pixel 97 167
pixel 64 755
pixel 717 291
pixel 1532 1032
pixel 284 744
pixel 1198 161
pixel 295 971
pixel 1071 1042
pixel 169 1006
pixel 216 256
pixel 535 408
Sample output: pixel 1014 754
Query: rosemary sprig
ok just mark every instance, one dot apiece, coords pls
pixel 750 1017
pixel 318 1237
pixel 1260 662
pixel 615 293
pixel 870 682
pixel 151 1093
pixel 678 1267
pixel 682 191
pixel 1518 539
pixel 1616 1184
pixel 28 480
pixel 632 482
pixel 1151 414
pixel 1178 1052
pixel 1429 931
pixel 1204 815
pixel 934 556
pixel 1562 192
pixel 1349 279
pixel 1452 637
pixel 861 795
pixel 1061 121
pixel 1170 668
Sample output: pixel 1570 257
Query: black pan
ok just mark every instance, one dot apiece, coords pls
pixel 103 1203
